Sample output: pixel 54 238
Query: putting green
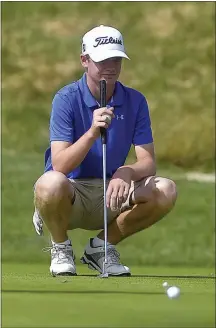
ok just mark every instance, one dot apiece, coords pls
pixel 32 298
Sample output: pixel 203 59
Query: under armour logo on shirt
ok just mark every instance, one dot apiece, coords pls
pixel 120 117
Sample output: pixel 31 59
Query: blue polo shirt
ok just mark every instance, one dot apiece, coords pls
pixel 71 117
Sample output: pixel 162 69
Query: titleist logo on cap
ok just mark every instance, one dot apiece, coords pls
pixel 105 40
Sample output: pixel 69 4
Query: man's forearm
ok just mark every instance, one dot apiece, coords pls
pixel 70 158
pixel 141 169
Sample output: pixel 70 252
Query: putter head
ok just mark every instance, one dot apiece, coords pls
pixel 104 274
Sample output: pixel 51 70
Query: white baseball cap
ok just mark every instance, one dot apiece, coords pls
pixel 103 42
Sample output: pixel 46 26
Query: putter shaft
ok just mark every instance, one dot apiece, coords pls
pixel 104 141
pixel 105 209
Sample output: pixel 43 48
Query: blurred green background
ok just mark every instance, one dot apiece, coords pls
pixel 171 46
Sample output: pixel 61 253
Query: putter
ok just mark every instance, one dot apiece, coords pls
pixel 104 141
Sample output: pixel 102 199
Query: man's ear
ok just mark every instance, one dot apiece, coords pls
pixel 84 60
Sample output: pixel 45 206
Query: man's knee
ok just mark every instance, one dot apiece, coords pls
pixel 52 185
pixel 158 191
pixel 166 193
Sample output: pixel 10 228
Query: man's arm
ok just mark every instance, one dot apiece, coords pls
pixel 119 185
pixel 67 156
pixel 145 164
pixel 144 145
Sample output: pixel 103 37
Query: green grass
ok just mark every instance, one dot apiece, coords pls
pixel 172 63
pixel 31 298
pixel 185 237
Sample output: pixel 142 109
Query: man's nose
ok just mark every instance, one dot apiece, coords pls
pixel 109 64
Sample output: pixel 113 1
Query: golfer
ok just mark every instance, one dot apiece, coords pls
pixel 69 195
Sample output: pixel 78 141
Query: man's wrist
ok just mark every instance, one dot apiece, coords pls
pixel 92 134
pixel 125 170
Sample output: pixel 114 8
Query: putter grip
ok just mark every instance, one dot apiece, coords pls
pixel 103 104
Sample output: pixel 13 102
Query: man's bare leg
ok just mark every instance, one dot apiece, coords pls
pixel 53 199
pixel 152 201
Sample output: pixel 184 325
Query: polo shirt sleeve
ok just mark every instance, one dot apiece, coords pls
pixel 61 120
pixel 143 132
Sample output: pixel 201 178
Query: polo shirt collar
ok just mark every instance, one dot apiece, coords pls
pixel 90 101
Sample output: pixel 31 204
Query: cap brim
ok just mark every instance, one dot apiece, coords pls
pixel 99 56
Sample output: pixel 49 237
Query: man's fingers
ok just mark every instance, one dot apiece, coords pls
pixel 104 111
pixel 111 197
pixel 120 197
pixel 108 195
pixel 38 223
pixel 116 195
pixel 126 192
pixel 107 118
pixel 102 125
pixel 123 194
pixel 102 117
pixel 114 201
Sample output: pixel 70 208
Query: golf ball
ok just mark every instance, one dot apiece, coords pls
pixel 165 284
pixel 173 292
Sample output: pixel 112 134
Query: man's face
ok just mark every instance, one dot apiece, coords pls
pixel 108 69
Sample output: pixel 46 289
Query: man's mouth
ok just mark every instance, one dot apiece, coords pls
pixel 109 74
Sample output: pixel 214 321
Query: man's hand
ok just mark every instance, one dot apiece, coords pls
pixel 102 118
pixel 38 223
pixel 118 189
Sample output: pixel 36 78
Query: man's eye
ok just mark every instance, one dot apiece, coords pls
pixel 117 59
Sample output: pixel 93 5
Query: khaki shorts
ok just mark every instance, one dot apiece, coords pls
pixel 87 209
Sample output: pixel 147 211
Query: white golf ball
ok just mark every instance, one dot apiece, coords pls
pixel 165 284
pixel 173 292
